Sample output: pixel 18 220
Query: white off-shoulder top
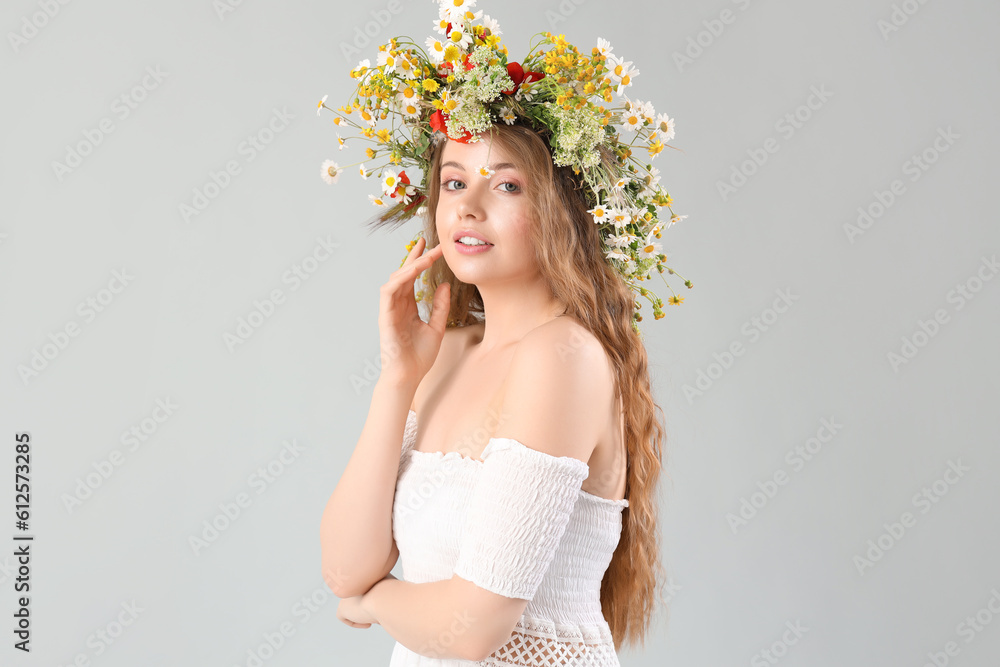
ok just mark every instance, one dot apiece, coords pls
pixel 518 523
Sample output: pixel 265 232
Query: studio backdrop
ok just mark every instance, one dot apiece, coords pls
pixel 189 335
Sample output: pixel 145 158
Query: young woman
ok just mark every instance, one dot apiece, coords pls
pixel 523 498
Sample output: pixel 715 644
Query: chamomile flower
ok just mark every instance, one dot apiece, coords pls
pixel 457 7
pixel 368 116
pixel 361 170
pixel 631 120
pixel 441 25
pixel 508 116
pixel 666 125
pixel 340 142
pixel 622 72
pixel 319 107
pixel 377 201
pixel 620 217
pixel 390 181
pixel 654 179
pixel 649 249
pixel 409 109
pixel 460 37
pixel 435 49
pixel 493 26
pixel 604 47
pixel 407 194
pixel 645 109
pixel 485 171
pixel 331 171
pixel 614 254
pixel 387 60
pixel 621 183
pixel 361 68
pixel 675 219
pixel 601 213
pixel 405 65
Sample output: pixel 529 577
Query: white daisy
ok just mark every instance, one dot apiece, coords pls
pixel 460 37
pixel 461 6
pixel 508 116
pixel 409 108
pixel 441 25
pixel 485 171
pixel 621 183
pixel 604 46
pixel 666 125
pixel 631 120
pixel 362 66
pixel 612 254
pixel 435 49
pixel 407 66
pixel 645 109
pixel 319 107
pixel 361 170
pixel 620 217
pixel 331 171
pixel 601 213
pixel 622 72
pixel 390 181
pixel 467 17
pixel 377 201
pixel 388 61
pixel 654 175
pixel 649 249
pixel 408 194
pixel 673 219
pixel 340 142
pixel 492 24
pixel 615 241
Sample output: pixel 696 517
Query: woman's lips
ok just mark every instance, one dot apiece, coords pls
pixel 472 249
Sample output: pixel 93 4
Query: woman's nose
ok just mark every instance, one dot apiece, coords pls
pixel 470 203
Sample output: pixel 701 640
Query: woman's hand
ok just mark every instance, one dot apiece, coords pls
pixel 409 346
pixel 353 614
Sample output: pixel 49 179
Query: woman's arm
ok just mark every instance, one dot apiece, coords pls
pixel 356 527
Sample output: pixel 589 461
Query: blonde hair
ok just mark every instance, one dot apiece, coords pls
pixel 568 253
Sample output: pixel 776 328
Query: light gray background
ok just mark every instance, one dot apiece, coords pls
pixel 297 376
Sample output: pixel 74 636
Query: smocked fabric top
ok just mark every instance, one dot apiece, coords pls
pixel 518 523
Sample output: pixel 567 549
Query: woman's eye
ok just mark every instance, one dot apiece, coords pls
pixel 450 180
pixel 515 188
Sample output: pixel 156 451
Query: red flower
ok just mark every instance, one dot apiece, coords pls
pixel 438 123
pixel 519 76
pixel 465 61
pixel 416 200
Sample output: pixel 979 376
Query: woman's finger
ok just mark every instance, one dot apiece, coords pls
pixel 415 250
pixel 412 267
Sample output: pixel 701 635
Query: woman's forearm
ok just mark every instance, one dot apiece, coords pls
pixel 424 618
pixel 356 526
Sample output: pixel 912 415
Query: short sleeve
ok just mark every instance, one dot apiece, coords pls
pixel 517 514
pixel 409 438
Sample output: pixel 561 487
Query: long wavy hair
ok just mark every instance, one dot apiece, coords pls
pixel 568 252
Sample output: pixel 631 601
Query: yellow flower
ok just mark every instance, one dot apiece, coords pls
pixel 384 135
pixel 676 300
pixel 430 85
pixel 369 152
pixel 368 132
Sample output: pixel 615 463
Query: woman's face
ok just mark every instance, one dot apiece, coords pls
pixel 496 209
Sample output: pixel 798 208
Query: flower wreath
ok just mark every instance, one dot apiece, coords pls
pixel 464 82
